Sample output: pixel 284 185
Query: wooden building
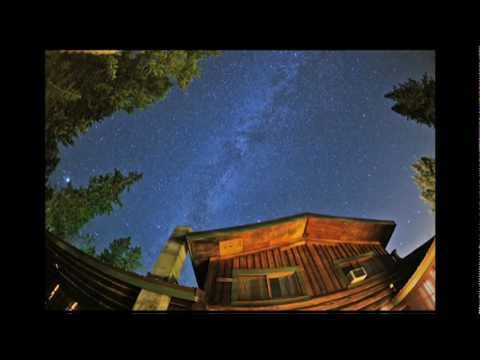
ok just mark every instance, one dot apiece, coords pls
pixel 307 262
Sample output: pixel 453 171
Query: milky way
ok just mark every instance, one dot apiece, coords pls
pixel 262 135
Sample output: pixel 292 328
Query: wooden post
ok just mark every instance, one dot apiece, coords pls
pixel 168 267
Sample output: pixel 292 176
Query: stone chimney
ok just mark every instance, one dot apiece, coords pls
pixel 168 267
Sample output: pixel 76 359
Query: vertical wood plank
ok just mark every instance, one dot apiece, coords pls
pixel 312 288
pixel 329 287
pixel 342 251
pixel 263 259
pixel 236 262
pixel 347 250
pixel 257 262
pixel 243 262
pixel 324 255
pixel 227 287
pixel 277 257
pixel 250 264
pixel 218 293
pixel 309 266
pixel 271 262
pixel 354 249
pixel 209 281
pixel 289 261
pixel 332 255
pixel 362 249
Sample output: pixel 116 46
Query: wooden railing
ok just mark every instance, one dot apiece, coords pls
pixel 100 284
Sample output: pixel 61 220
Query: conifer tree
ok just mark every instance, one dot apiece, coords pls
pixel 122 255
pixel 415 100
pixel 83 88
pixel 69 209
pixel 425 179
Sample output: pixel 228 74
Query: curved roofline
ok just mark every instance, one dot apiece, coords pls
pixel 427 260
pixel 200 235
pixel 143 282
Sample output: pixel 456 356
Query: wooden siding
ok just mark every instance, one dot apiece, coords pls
pixel 253 238
pixel 370 295
pixel 346 230
pixel 317 260
pixel 419 299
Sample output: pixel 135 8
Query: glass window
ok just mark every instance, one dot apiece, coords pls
pixel 267 284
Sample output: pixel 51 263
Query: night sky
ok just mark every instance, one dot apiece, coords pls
pixel 262 135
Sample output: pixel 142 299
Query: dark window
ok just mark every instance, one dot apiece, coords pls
pixel 268 286
pixel 359 272
pixel 276 289
pixel 252 288
pixel 346 269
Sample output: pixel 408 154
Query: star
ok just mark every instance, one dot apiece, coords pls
pixel 295 145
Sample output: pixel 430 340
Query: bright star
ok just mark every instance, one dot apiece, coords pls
pixel 67 179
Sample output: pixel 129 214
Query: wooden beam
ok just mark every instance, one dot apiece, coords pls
pixel 156 286
pixel 322 241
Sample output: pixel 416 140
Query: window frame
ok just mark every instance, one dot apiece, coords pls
pixel 269 273
pixel 341 264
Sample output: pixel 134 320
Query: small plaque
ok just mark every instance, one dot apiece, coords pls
pixel 231 247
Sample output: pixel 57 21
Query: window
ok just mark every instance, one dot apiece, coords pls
pixel 356 275
pixel 253 288
pixel 354 270
pixel 267 285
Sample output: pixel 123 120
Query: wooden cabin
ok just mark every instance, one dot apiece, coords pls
pixel 306 262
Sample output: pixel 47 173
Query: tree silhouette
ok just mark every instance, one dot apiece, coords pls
pixel 415 100
pixel 69 209
pixel 425 179
pixel 84 88
pixel 122 255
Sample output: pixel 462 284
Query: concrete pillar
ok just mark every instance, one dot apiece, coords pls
pixel 168 267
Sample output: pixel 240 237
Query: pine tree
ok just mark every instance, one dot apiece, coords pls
pixel 86 243
pixel 122 255
pixel 69 209
pixel 83 88
pixel 415 100
pixel 425 179
pixel 119 253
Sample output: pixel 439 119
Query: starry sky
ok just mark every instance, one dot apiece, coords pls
pixel 262 135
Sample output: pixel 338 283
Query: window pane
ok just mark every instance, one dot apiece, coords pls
pixel 298 287
pixel 271 285
pixel 259 289
pixel 252 288
pixel 275 286
pixel 291 285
